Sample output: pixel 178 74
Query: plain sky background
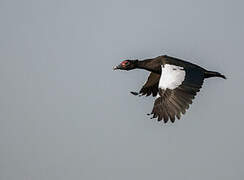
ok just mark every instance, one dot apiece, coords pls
pixel 65 115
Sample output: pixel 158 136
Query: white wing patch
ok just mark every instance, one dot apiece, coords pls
pixel 171 77
pixel 157 96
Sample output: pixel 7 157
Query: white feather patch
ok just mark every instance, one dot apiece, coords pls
pixel 171 77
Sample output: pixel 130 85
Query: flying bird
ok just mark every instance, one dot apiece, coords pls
pixel 173 81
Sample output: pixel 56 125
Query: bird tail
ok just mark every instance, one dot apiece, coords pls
pixel 209 74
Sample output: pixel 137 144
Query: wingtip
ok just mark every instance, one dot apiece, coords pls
pixel 134 93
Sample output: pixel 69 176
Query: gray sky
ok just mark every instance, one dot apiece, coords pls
pixel 64 114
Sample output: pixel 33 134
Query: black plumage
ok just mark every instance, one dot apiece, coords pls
pixel 174 100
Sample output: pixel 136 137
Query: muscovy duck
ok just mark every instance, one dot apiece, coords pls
pixel 173 81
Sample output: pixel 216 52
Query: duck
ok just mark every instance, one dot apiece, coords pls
pixel 173 81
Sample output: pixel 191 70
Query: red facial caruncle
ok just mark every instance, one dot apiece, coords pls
pixel 124 63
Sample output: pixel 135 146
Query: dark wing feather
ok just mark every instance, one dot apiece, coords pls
pixel 150 87
pixel 172 103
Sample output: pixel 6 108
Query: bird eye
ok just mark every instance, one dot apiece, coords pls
pixel 124 63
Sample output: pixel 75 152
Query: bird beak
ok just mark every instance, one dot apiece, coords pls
pixel 117 67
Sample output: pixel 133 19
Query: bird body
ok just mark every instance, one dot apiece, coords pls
pixel 173 81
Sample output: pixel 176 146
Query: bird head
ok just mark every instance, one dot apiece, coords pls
pixel 126 65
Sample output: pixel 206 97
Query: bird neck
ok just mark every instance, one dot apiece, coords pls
pixel 149 65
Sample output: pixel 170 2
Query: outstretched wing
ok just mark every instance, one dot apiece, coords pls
pixel 177 88
pixel 150 87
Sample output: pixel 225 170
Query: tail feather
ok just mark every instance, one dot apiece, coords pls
pixel 208 74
